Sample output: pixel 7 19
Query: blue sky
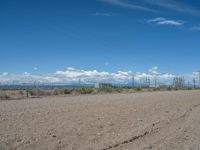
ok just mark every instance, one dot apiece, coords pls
pixel 44 36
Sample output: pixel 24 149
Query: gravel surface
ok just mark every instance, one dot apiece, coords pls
pixel 152 120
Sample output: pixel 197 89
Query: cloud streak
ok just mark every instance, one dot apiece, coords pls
pixel 129 5
pixel 155 5
pixel 195 28
pixel 164 21
pixel 174 5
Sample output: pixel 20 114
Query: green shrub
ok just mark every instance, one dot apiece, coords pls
pixel 119 90
pixel 156 89
pixel 39 92
pixel 105 90
pixel 176 89
pixel 138 89
pixel 32 92
pixel 169 88
pixel 67 91
pixel 85 90
pixel 56 92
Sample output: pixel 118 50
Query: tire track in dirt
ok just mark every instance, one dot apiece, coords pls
pixel 155 127
pixel 174 121
pixel 127 141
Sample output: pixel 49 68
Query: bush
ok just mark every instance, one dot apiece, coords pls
pixel 67 91
pixel 85 90
pixel 39 92
pixel 56 92
pixel 106 90
pixel 4 96
pixel 119 90
pixel 32 92
pixel 156 89
pixel 169 88
pixel 21 92
pixel 138 89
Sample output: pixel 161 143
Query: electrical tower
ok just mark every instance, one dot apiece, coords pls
pixel 79 82
pixel 133 80
pixel 199 79
pixel 155 80
pixel 194 82
pixel 179 82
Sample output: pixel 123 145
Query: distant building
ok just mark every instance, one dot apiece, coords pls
pixel 103 85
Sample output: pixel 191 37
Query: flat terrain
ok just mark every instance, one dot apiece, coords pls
pixel 154 120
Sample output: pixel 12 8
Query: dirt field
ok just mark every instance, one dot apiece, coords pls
pixel 154 120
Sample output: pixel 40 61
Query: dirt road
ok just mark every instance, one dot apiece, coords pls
pixel 155 120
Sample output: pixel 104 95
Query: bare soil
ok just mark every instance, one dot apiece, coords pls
pixel 152 120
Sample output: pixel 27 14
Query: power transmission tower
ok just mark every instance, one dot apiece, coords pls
pixel 133 80
pixel 199 79
pixel 147 82
pixel 35 84
pixel 155 80
pixel 188 85
pixel 79 82
pixel 194 82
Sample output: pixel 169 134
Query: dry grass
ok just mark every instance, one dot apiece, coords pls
pixel 33 93
pixel 12 94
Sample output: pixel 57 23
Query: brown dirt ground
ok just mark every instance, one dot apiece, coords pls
pixel 152 120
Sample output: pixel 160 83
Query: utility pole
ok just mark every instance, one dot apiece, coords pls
pixel 133 80
pixel 194 81
pixel 34 84
pixel 79 83
pixel 155 79
pixel 199 79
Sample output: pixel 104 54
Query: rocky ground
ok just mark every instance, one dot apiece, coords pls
pixel 151 120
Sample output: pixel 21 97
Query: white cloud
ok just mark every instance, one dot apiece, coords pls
pixel 154 70
pixel 164 21
pixel 35 68
pixel 4 73
pixel 196 74
pixel 171 22
pixel 72 75
pixel 156 19
pixel 26 74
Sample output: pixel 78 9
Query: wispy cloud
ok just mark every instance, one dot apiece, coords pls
pixel 129 5
pixel 106 63
pixel 174 5
pixel 164 21
pixel 102 14
pixel 35 68
pixel 195 28
pixel 155 5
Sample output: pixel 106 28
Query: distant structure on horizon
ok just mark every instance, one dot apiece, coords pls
pixel 179 82
pixel 103 85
